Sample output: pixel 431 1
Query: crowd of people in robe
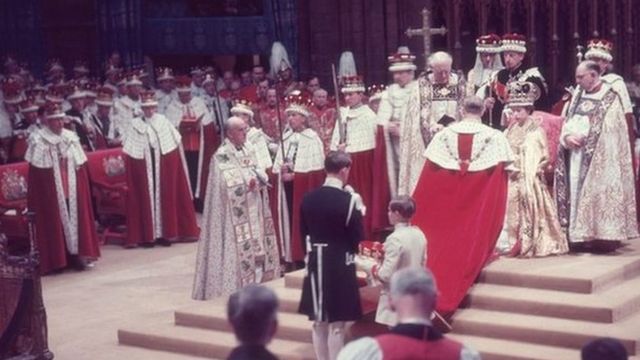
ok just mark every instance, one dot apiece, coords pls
pixel 459 169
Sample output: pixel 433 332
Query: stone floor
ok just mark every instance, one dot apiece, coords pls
pixel 85 309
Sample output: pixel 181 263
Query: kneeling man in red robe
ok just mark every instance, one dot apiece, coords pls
pixel 59 195
pixel 160 208
pixel 461 199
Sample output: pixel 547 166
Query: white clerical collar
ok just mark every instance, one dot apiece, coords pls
pixel 416 320
pixel 333 182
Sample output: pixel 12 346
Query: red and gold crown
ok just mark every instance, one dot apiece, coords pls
pixel 352 84
pixel 514 42
pixel 148 99
pixel 402 60
pixel 488 44
pixel 297 104
pixel 375 91
pixel 522 93
pixel 599 49
pixel 28 105
pixel 242 106
pixel 164 73
pixel 53 111
pixel 183 83
pixel 12 91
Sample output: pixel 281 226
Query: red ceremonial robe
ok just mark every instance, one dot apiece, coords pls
pixel 461 213
pixel 381 190
pixel 42 199
pixel 177 216
pixel 211 143
pixel 361 179
pixel 302 184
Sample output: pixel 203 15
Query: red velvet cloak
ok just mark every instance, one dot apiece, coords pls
pixel 42 199
pixel 178 215
pixel 461 213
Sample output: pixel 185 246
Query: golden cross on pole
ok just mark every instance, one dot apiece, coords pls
pixel 426 32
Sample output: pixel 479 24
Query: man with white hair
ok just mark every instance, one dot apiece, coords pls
pixel 435 103
pixel 237 244
pixel 413 294
pixel 253 314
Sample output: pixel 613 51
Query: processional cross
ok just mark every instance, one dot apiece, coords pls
pixel 426 32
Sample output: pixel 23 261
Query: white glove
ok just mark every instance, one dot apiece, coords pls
pixel 357 199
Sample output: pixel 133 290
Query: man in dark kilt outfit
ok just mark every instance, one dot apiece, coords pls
pixel 331 224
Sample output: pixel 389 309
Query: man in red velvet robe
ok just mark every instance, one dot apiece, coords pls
pixel 461 201
pixel 357 136
pixel 302 171
pixel 268 117
pixel 60 196
pixel 323 117
pixel 190 115
pixel 159 205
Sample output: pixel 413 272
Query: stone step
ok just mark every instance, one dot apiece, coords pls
pixel 166 336
pixel 291 326
pixel 579 273
pixel 607 306
pixel 496 349
pixel 544 330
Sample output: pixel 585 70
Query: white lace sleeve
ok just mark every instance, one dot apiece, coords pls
pixel 366 348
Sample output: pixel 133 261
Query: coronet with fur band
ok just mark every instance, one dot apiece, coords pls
pixel 297 104
pixel 514 42
pixel 242 107
pixel 402 60
pixel 488 44
pixel 352 84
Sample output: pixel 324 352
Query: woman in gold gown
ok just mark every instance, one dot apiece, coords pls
pixel 532 227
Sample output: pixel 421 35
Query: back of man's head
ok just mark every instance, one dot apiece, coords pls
pixel 336 161
pixel 252 312
pixel 604 349
pixel 473 105
pixel 413 292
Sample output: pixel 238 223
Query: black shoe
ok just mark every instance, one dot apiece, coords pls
pixel 148 245
pixel 163 242
pixel 77 263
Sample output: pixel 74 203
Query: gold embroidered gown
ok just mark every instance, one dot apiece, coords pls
pixel 532 225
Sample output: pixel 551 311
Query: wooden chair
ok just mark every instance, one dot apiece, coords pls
pixel 109 189
pixel 13 203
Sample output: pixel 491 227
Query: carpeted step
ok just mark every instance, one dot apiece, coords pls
pixel 583 273
pixel 294 279
pixel 496 349
pixel 166 336
pixel 607 306
pixel 291 326
pixel 543 330
pixel 289 299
